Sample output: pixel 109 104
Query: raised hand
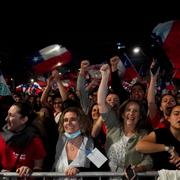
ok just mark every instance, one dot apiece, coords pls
pixel 154 68
pixel 50 80
pixel 114 63
pixel 84 66
pixel 56 75
pixel 105 70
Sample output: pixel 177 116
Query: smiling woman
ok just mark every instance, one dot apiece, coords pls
pixel 74 142
pixel 21 148
pixel 123 130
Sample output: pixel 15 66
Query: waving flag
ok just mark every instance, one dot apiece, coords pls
pixel 68 78
pixel 22 88
pixel 128 68
pixel 30 88
pixel 34 89
pixel 168 34
pixel 4 89
pixel 49 58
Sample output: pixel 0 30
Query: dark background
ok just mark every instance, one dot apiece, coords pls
pixel 88 32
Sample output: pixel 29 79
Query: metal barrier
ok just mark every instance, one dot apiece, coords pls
pixel 81 175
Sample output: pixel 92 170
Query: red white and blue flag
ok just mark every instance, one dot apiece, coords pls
pixel 50 58
pixel 30 89
pixel 169 35
pixel 127 69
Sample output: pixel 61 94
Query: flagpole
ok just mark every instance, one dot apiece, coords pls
pixel 130 62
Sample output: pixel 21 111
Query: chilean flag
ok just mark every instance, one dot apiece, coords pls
pixel 49 58
pixel 127 69
pixel 169 35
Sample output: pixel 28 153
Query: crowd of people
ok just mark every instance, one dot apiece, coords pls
pixel 59 129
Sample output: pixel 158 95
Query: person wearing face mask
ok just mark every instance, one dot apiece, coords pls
pixel 74 142
pixel 123 130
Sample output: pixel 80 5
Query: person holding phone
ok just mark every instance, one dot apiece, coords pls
pixel 158 115
pixel 130 173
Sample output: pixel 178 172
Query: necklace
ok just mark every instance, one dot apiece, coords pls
pixel 73 145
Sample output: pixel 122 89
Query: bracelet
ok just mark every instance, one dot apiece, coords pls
pixel 168 148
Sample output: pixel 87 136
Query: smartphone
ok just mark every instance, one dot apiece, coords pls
pixel 130 173
pixel 155 67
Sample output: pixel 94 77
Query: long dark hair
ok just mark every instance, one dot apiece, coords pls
pixel 26 111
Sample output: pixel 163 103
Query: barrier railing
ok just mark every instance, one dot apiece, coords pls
pixel 81 175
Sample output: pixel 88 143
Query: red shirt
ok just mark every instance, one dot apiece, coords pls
pixel 8 155
pixel 158 121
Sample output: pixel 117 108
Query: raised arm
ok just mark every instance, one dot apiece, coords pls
pixel 46 91
pixel 62 89
pixel 96 127
pixel 152 107
pixel 103 88
pixel 116 78
pixel 81 87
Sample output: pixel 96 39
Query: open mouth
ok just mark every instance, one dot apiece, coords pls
pixel 178 122
pixel 169 107
pixel 130 120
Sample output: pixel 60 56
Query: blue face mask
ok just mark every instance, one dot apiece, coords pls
pixel 73 135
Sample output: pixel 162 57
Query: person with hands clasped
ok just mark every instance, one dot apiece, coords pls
pixel 164 143
pixel 74 142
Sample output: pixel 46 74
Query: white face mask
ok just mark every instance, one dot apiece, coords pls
pixel 72 135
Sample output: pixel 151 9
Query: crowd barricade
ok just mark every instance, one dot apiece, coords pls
pixel 81 175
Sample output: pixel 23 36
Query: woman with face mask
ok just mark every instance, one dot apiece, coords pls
pixel 74 142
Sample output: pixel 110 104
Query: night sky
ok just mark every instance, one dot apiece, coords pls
pixel 84 37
